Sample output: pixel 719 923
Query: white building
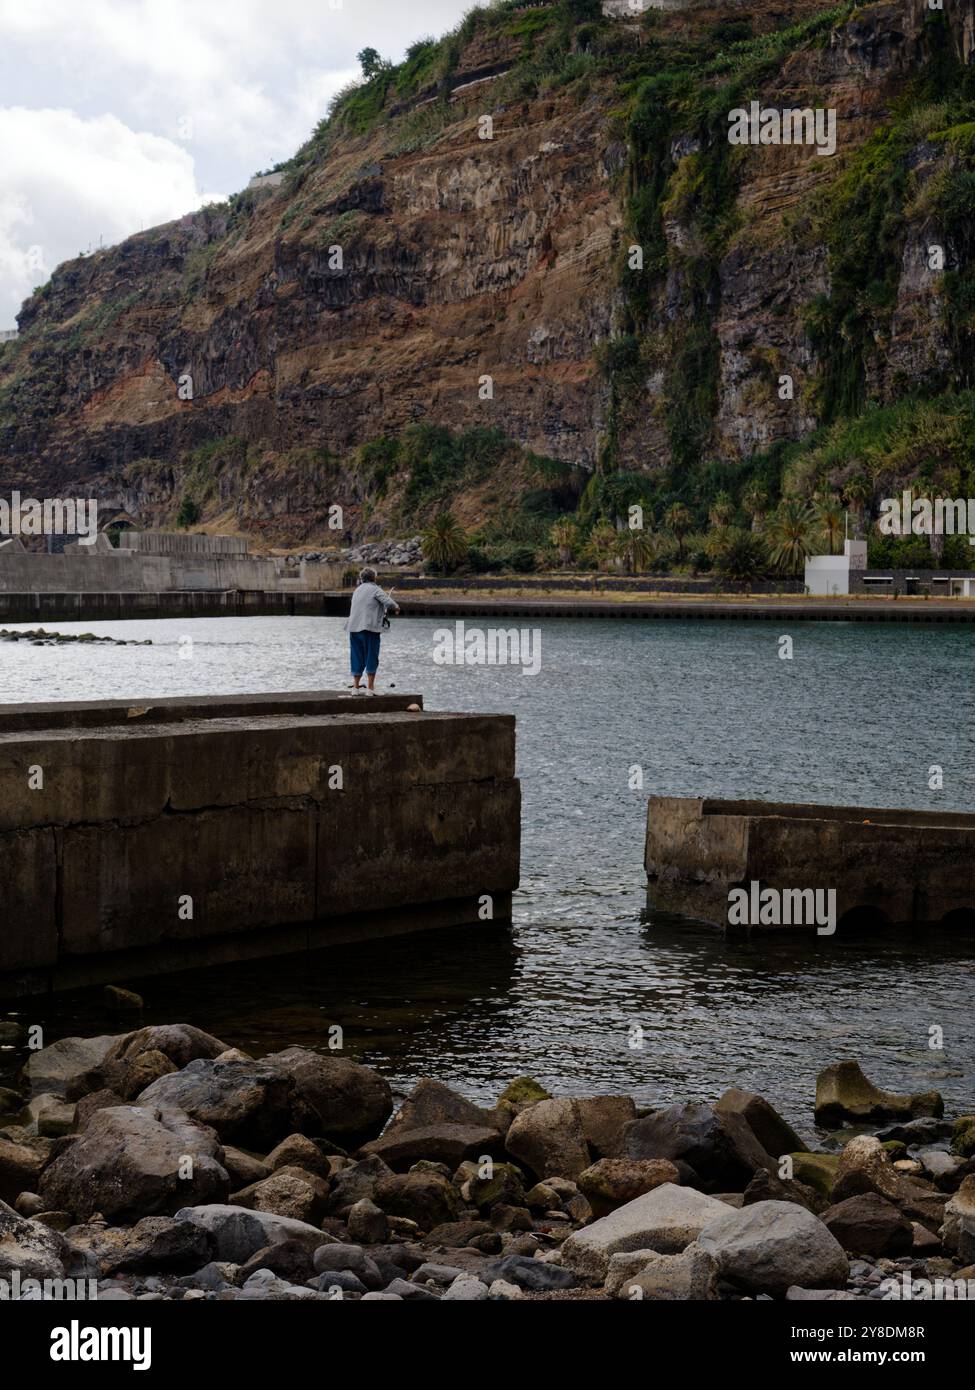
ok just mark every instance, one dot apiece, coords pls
pixel 830 574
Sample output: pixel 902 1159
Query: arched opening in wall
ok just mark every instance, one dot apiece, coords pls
pixel 960 919
pixel 862 921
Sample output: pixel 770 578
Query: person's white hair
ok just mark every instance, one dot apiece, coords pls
pixel 367 576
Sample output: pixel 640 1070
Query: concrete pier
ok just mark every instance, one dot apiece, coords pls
pixel 886 867
pixel 147 837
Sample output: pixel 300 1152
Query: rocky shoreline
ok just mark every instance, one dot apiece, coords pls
pixel 161 1164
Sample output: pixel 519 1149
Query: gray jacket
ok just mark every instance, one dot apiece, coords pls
pixel 369 607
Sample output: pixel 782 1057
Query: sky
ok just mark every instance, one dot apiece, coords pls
pixel 121 114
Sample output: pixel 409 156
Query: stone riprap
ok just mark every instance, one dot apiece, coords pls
pixel 295 1193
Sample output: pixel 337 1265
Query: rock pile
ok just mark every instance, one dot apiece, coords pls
pixel 39 637
pixel 162 1164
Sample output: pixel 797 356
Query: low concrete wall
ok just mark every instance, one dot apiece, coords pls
pixel 886 866
pixel 85 570
pixel 198 831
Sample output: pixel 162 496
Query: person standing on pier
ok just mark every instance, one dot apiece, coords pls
pixel 368 616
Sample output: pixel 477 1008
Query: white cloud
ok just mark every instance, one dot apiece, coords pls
pixel 118 111
pixel 67 184
pixel 198 95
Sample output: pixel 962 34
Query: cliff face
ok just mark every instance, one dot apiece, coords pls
pixel 272 357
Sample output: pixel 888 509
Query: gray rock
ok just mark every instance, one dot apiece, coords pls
pixel 665 1220
pixel 869 1225
pixel 413 1293
pixel 130 1163
pixel 70 1067
pixel 548 1138
pixel 527 1273
pixel 720 1148
pixel 338 1279
pixel 367 1223
pixel 34 1250
pixel 238 1233
pixel 247 1103
pixel 442 1143
pixel 333 1096
pixel 356 1183
pixel 349 1257
pixel 466 1290
pixel 432 1103
pixel 770 1246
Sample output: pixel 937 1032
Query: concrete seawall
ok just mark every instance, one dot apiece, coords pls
pixel 138 839
pixel 95 607
pixel 886 867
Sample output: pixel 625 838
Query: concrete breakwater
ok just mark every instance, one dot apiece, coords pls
pixel 151 837
pixel 881 866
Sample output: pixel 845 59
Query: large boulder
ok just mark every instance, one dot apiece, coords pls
pixel 154 1244
pixel 604 1120
pixel 237 1233
pixel 178 1043
pixel 432 1103
pixel 612 1182
pixel 424 1197
pixel 452 1144
pixel 290 1192
pixel 132 1162
pixel 845 1096
pixel 247 1103
pixel 548 1137
pixel 20 1168
pixel 357 1183
pixel 768 1247
pixel 768 1187
pixel 70 1067
pixel 869 1225
pixel 665 1220
pixel 334 1097
pixel 776 1136
pixel 721 1149
pixel 35 1250
pixel 865 1166
pixel 958 1230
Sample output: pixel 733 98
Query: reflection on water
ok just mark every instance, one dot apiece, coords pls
pixel 858 716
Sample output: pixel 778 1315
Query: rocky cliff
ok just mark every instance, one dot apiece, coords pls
pixel 526 270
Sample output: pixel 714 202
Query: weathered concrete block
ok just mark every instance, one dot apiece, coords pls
pixel 28 901
pixel 312 819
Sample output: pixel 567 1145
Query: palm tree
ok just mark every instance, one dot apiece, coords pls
pixel 722 511
pixel 790 535
pixel 564 535
pixel 600 548
pixel 829 518
pixel 743 556
pixel 636 549
pixel 445 542
pixel 857 495
pixel 677 520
